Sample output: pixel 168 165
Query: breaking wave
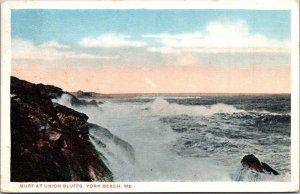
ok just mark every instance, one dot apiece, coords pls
pixel 161 140
pixel 163 107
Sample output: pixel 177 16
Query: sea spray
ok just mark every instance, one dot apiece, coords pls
pixel 163 107
pixel 187 142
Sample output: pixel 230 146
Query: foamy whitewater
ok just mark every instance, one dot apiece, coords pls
pixel 194 138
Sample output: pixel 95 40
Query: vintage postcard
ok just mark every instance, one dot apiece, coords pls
pixel 139 96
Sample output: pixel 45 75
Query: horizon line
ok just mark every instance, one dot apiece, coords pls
pixel 178 93
pixel 205 93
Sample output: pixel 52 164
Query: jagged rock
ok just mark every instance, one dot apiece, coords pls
pixel 71 118
pixel 92 103
pixel 50 91
pixel 54 92
pixel 81 94
pixel 79 102
pixel 251 162
pixel 50 142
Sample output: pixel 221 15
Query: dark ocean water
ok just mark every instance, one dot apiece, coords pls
pixel 198 137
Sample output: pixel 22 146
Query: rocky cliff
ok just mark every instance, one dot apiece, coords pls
pixel 50 142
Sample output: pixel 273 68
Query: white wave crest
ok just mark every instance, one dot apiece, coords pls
pixel 246 175
pixel 64 100
pixel 265 112
pixel 163 107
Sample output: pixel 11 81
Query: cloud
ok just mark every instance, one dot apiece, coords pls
pixel 164 50
pixel 218 37
pixel 54 44
pixel 111 41
pixel 24 49
pixel 150 83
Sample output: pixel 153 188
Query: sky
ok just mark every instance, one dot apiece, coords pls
pixel 154 51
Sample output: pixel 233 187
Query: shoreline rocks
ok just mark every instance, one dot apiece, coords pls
pixel 50 142
pixel 54 92
pixel 91 95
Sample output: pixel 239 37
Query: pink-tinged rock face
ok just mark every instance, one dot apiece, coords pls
pixel 53 135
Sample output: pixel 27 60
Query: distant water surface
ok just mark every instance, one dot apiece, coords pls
pixel 196 137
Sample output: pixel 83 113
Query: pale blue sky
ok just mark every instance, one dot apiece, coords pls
pixel 69 26
pixel 151 37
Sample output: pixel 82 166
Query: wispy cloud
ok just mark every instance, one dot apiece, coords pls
pixel 25 49
pixel 54 44
pixel 111 41
pixel 218 37
pixel 150 83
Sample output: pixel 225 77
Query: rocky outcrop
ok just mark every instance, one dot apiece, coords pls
pixel 81 94
pixel 251 162
pixel 54 92
pixel 50 142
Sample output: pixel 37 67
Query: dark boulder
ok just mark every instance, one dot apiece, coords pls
pixel 90 103
pixel 251 162
pixel 267 168
pixel 93 102
pixel 81 94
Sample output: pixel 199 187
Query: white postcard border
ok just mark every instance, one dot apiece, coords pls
pixel 293 185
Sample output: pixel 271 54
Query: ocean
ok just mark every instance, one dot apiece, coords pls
pixel 192 137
